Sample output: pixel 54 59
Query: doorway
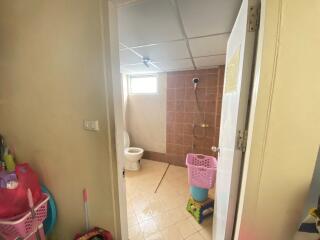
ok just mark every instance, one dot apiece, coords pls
pixel 157 194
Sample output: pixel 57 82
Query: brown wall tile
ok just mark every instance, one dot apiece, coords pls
pixel 155 156
pixel 180 106
pixel 178 128
pixel 182 113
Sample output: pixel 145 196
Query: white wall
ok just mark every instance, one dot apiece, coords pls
pixel 146 118
pixel 286 130
pixel 124 97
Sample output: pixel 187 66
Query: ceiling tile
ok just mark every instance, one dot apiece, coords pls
pixel 126 2
pixel 211 61
pixel 128 57
pixel 207 17
pixel 122 46
pixel 165 51
pixel 206 46
pixel 147 22
pixel 181 64
pixel 124 70
pixel 139 68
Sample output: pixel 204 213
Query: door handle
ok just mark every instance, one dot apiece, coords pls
pixel 215 149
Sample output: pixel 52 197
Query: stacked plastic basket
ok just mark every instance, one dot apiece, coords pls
pixel 26 226
pixel 202 171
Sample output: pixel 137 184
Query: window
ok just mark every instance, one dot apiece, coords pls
pixel 144 84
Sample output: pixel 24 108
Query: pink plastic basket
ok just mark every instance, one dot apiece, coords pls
pixel 23 225
pixel 202 170
pixel 33 235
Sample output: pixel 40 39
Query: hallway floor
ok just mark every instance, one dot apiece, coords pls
pixel 162 215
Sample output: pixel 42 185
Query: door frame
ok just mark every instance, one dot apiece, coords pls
pixel 112 60
pixel 249 118
pixel 114 99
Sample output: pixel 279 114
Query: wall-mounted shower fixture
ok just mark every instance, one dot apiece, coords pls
pixel 204 125
pixel 195 82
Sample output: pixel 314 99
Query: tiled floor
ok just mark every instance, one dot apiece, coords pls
pixel 162 215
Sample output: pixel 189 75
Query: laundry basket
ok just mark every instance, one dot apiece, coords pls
pixel 202 170
pixel 23 225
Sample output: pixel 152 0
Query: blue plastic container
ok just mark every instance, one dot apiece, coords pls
pixel 51 219
pixel 199 194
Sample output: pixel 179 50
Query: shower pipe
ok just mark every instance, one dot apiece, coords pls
pixel 203 124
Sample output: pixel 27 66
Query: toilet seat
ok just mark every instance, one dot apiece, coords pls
pixel 133 151
pixel 132 154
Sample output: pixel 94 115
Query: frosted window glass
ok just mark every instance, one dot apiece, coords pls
pixel 143 84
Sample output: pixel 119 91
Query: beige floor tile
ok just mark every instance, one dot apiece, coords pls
pixel 207 224
pixel 130 210
pixel 178 201
pixel 148 227
pixel 144 214
pixel 176 215
pixel 137 238
pixel 156 207
pixel 184 211
pixel 186 228
pixel 140 205
pixel 163 221
pixel 132 220
pixel 155 236
pixel 195 236
pixel 206 235
pixel 135 232
pixel 162 215
pixel 194 223
pixel 171 233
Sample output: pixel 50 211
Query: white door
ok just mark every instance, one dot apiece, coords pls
pixel 239 64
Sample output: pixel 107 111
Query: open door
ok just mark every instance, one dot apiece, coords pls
pixel 235 106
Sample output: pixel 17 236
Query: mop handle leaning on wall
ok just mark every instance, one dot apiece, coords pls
pixel 86 212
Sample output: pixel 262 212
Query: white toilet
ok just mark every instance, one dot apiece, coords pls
pixel 132 154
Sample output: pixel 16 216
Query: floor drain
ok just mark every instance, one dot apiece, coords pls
pixel 164 174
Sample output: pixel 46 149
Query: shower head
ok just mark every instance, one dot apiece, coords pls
pixel 195 82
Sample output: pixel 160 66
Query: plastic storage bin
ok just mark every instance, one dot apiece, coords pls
pixel 202 170
pixel 24 225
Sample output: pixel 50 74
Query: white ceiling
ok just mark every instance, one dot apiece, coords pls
pixel 174 34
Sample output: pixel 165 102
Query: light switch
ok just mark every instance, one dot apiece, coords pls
pixel 91 125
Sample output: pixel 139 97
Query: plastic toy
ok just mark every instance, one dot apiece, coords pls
pixel 311 224
pixel 95 234
pixel 200 210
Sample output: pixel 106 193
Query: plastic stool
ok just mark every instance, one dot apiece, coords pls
pixel 200 210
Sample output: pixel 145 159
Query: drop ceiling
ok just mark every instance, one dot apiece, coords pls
pixel 174 34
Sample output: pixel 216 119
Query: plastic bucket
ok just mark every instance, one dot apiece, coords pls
pixel 199 194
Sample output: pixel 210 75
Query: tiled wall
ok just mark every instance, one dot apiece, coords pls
pixel 182 113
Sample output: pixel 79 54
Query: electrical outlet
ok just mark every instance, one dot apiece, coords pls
pixel 91 125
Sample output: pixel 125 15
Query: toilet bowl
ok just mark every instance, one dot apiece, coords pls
pixel 132 155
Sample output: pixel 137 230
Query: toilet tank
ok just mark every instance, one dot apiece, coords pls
pixel 126 139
